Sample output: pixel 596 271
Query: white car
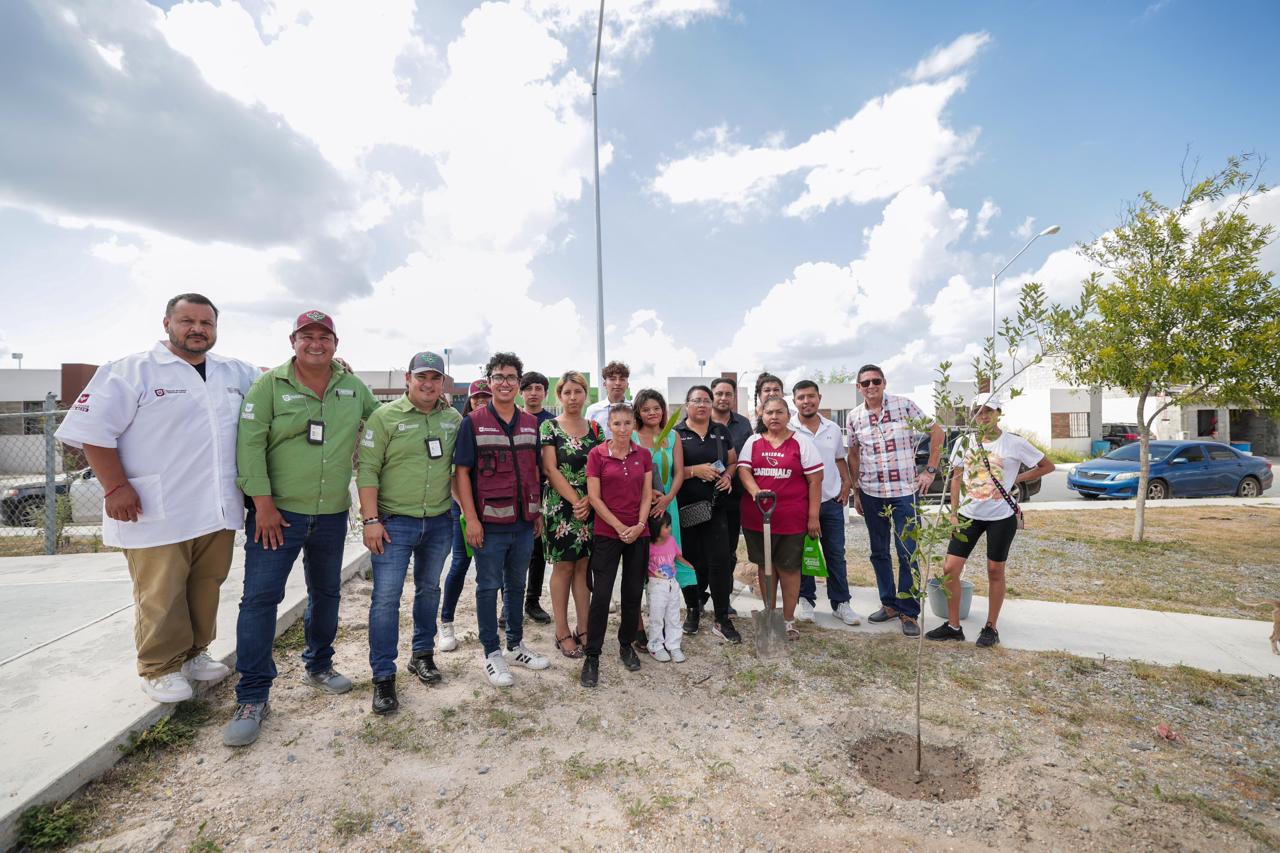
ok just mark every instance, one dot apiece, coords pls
pixel 23 504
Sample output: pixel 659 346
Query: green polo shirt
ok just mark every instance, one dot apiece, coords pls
pixel 394 458
pixel 273 454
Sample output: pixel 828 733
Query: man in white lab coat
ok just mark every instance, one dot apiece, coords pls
pixel 159 430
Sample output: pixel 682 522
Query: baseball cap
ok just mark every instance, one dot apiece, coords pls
pixel 425 361
pixel 480 386
pixel 314 317
pixel 990 401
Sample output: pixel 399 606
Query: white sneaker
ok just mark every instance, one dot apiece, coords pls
pixel 495 666
pixel 678 656
pixel 526 657
pixel 660 654
pixel 804 610
pixel 847 614
pixel 204 668
pixel 448 642
pixel 170 687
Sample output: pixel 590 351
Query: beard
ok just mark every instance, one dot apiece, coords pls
pixel 192 344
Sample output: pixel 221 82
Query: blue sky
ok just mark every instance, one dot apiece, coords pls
pixel 426 175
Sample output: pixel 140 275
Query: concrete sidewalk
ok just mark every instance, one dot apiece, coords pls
pixel 1237 646
pixel 67 676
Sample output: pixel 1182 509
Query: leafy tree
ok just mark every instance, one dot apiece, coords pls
pixel 1182 310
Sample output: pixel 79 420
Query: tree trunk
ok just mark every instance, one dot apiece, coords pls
pixel 1144 469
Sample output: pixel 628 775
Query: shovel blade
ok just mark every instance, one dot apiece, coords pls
pixel 771 634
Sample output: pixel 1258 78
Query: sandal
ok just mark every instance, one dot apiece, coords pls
pixel 577 651
pixel 793 633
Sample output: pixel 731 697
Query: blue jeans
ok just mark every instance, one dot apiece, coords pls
pixel 426 540
pixel 320 539
pixel 457 576
pixel 501 563
pixel 831 515
pixel 880 531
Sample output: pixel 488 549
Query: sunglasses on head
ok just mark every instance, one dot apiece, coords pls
pixel 867 383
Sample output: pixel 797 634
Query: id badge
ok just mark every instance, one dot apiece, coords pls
pixel 315 432
pixel 435 449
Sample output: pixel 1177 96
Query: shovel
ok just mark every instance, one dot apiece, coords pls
pixel 771 630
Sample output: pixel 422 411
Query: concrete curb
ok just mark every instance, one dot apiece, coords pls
pixel 66 760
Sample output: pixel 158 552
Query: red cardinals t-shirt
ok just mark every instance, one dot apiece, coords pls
pixel 781 470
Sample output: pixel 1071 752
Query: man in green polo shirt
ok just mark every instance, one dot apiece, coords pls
pixel 298 429
pixel 406 461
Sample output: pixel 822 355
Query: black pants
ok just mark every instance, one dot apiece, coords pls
pixel 603 568
pixel 733 530
pixel 706 548
pixel 537 568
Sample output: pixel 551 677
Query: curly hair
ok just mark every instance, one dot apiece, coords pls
pixel 504 359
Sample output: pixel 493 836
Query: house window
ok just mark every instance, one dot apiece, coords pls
pixel 1079 425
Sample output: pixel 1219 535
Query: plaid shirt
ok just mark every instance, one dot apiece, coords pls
pixel 886 447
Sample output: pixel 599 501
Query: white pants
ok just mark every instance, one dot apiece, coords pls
pixel 665 600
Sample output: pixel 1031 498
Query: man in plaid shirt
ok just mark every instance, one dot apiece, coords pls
pixel 882 462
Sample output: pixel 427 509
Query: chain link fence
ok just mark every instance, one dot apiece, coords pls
pixel 50 501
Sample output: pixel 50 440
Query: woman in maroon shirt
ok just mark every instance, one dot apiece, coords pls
pixel 620 488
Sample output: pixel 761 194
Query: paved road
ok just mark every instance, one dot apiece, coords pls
pixel 1055 488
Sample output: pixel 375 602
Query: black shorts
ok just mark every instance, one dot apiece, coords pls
pixel 788 549
pixel 1000 535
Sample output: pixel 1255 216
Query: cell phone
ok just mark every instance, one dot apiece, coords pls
pixel 718 466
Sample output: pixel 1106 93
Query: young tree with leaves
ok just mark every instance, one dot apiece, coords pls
pixel 1182 313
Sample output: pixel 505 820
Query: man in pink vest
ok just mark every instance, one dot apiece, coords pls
pixel 496 465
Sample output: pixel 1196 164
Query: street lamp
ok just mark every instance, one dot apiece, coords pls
pixel 447 362
pixel 17 356
pixel 702 362
pixel 1052 229
pixel 595 135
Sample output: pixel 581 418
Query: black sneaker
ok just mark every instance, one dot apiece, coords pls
pixel 725 631
pixel 732 611
pixel 641 642
pixel 590 671
pixel 534 611
pixel 988 637
pixel 630 659
pixel 881 615
pixel 691 622
pixel 946 632
pixel 424 666
pixel 384 696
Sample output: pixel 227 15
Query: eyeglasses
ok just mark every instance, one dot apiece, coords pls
pixel 867 383
pixel 699 401
pixel 503 379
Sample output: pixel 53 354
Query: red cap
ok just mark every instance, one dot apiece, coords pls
pixel 480 386
pixel 314 318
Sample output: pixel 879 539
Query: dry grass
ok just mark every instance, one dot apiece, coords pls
pixel 1194 559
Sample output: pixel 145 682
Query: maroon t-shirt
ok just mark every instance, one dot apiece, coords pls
pixel 621 484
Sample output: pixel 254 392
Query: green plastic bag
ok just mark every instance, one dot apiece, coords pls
pixel 685 575
pixel 813 563
pixel 462 522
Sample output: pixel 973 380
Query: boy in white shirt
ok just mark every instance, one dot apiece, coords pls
pixel 989 463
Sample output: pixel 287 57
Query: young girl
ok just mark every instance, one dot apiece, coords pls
pixel 664 592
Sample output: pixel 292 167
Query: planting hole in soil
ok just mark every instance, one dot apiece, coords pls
pixel 888 761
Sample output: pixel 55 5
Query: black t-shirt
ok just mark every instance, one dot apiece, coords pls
pixel 698 451
pixel 200 369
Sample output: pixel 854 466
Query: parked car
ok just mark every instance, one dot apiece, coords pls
pixel 1118 435
pixel 1025 490
pixel 1178 468
pixel 22 505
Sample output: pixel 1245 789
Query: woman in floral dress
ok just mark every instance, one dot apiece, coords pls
pixel 566 513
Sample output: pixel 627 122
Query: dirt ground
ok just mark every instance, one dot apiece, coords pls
pixel 1194 559
pixel 723 751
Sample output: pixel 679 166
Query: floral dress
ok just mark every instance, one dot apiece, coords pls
pixel 565 539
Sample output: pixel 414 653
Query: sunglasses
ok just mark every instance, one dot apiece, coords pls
pixel 867 383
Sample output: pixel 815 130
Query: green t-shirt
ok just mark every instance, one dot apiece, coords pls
pixel 275 454
pixel 396 459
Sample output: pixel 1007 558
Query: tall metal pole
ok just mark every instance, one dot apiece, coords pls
pixel 595 131
pixel 50 478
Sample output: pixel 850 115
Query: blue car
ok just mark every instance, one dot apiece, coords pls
pixel 1178 468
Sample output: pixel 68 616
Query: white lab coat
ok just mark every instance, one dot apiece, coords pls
pixel 176 436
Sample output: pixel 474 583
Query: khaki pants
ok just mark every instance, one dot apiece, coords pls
pixel 175 590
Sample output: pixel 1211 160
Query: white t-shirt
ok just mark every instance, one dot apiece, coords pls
pixel 831 446
pixel 981 500
pixel 176 436
pixel 599 412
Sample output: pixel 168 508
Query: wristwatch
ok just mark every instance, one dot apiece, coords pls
pixel 931 469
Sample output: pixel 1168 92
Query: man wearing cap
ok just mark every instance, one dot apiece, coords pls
pixel 298 431
pixel 533 388
pixel 478 394
pixel 406 460
pixel 496 466
pixel 159 430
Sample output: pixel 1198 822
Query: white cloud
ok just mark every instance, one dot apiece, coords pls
pixel 1026 229
pixel 944 59
pixel 893 142
pixel 113 55
pixel 988 211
